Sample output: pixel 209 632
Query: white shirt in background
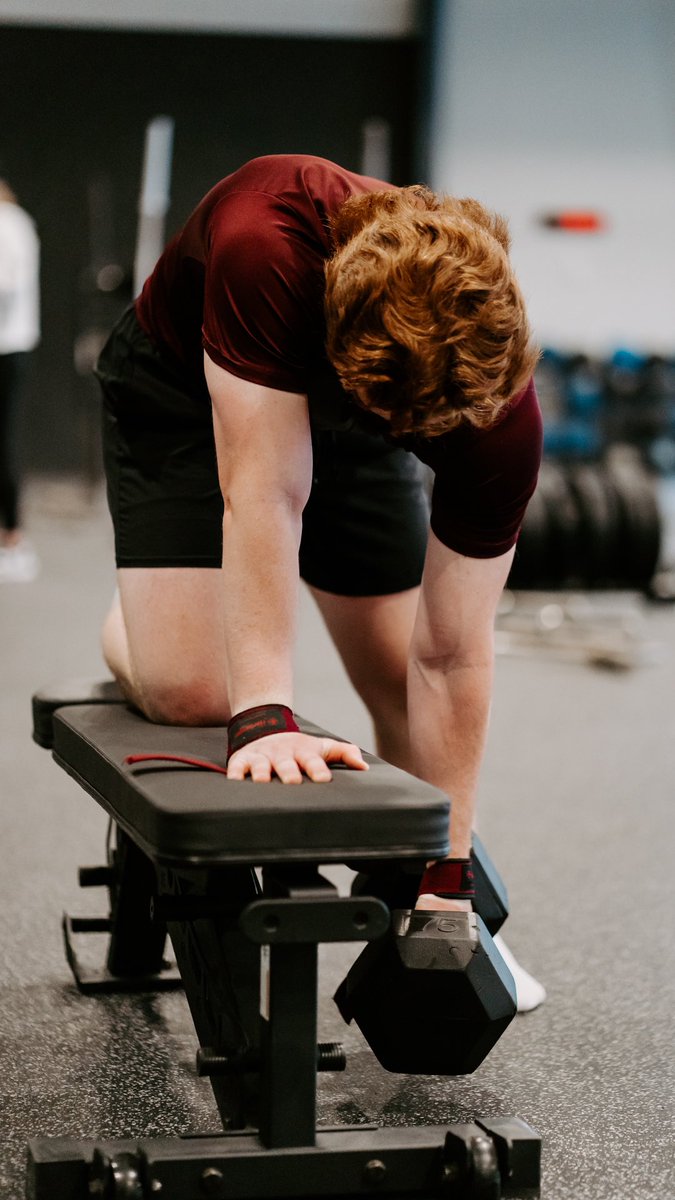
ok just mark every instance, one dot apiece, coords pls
pixel 19 280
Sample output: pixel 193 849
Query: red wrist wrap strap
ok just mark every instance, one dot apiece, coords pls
pixel 257 722
pixel 452 880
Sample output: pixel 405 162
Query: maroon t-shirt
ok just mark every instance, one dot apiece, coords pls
pixel 244 281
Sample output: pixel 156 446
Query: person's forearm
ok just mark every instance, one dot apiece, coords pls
pixel 449 707
pixel 260 561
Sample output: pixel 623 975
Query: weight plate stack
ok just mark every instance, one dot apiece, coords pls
pixel 531 561
pixel 597 533
pixel 546 555
pixel 639 523
pixel 590 526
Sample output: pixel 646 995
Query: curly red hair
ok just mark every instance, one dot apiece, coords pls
pixel 425 319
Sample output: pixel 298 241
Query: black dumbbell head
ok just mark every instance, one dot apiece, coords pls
pixel 432 996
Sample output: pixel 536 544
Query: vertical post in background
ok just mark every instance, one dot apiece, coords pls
pixel 154 198
pixel 376 148
pixel 430 67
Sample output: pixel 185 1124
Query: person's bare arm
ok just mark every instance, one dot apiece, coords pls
pixel 264 454
pixel 450 676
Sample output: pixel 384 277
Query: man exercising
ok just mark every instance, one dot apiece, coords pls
pixel 307 337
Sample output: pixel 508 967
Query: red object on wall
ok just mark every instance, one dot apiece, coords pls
pixel 575 221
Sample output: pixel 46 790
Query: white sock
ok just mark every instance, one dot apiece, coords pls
pixel 529 992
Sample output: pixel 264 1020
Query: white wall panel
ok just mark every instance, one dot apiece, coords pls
pixel 540 106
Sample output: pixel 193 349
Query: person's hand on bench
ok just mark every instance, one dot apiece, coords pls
pixel 290 755
pixel 264 740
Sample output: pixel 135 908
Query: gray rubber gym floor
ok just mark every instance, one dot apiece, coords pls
pixel 578 796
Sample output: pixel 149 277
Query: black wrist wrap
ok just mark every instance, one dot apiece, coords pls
pixel 452 880
pixel 257 722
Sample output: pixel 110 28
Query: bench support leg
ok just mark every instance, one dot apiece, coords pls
pixel 135 955
pixel 289 1046
pixel 220 969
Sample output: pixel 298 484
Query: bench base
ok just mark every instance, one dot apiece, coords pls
pixel 493 1157
pixel 97 982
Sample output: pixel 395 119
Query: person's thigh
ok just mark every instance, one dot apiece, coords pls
pixel 372 636
pixel 173 624
pixel 362 553
pixel 366 524
pixel 159 456
pixel 163 638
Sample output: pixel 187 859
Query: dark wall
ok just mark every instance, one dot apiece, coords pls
pixel 73 109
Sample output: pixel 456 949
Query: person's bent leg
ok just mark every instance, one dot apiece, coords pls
pixel 163 641
pixel 10 372
pixel 372 635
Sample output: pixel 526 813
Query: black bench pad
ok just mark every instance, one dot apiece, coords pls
pixel 72 691
pixel 180 815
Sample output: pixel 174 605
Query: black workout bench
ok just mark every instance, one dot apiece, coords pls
pixel 231 871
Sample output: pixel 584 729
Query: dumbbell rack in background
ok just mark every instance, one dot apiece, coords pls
pixel 595 546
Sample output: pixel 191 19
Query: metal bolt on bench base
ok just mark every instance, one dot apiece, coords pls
pixel 330 1056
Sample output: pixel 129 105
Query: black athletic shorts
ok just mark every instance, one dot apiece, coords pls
pixel 365 524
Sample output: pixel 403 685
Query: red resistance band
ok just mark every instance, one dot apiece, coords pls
pixel 451 880
pixel 185 760
pixel 257 722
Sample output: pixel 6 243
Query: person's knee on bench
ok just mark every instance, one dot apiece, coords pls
pixel 169 691
pixel 187 703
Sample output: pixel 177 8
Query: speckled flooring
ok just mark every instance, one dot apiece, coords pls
pixel 578 803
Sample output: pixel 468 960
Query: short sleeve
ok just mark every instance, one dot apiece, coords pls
pixel 263 298
pixel 485 478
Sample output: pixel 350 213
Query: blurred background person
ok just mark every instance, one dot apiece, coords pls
pixel 19 335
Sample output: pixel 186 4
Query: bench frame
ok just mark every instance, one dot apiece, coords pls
pixel 246 947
